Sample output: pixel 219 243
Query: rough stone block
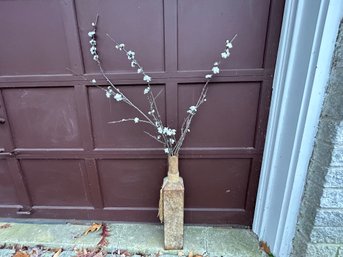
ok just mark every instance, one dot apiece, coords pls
pixel 328 235
pixel 299 245
pixel 331 130
pixel 337 157
pixel 329 218
pixel 334 177
pixel 338 55
pixel 322 153
pixel 316 173
pixel 321 250
pixel 332 198
pixel 173 209
pixel 336 78
pixel 333 106
pixel 311 202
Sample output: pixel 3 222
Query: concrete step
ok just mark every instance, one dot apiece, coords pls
pixel 140 239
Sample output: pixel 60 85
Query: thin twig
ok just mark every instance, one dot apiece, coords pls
pixel 129 119
pixel 154 137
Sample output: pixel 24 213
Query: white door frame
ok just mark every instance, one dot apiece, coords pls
pixel 306 46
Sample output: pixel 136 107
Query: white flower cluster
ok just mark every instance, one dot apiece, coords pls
pixel 92 42
pixel 166 131
pixel 134 64
pixel 147 78
pixel 146 90
pixel 215 70
pixel 224 55
pixel 117 96
pixel 120 46
pixel 192 109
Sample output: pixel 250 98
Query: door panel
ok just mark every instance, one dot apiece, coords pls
pixel 60 155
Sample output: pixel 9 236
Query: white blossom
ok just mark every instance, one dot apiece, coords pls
pixel 130 55
pixel 216 63
pixel 225 54
pixel 166 150
pixel 118 97
pixel 192 109
pixel 228 44
pixel 166 131
pixel 120 46
pixel 146 90
pixel 208 76
pixel 147 78
pixel 93 50
pixel 188 130
pixel 171 132
pixel 139 70
pixel 136 120
pixel 93 24
pixel 96 57
pixel 91 33
pixel 172 141
pixel 215 70
pixel 92 42
pixel 93 81
pixel 133 64
pixel 151 112
pixel 108 93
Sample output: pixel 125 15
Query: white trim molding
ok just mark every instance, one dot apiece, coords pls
pixel 306 46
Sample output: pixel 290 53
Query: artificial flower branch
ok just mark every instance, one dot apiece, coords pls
pixel 164 135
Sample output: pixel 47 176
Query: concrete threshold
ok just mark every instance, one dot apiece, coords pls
pixel 135 238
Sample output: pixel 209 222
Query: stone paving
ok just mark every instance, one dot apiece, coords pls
pixel 141 239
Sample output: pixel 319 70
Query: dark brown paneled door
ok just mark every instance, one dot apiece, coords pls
pixel 60 157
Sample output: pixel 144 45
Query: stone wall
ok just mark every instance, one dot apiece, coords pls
pixel 320 223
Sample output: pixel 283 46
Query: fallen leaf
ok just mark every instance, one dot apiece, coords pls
pixel 21 254
pixel 124 253
pixel 104 233
pixel 5 226
pixel 265 247
pixel 35 252
pixel 190 254
pixel 93 228
pixel 56 254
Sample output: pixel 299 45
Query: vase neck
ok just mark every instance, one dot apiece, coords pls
pixel 173 167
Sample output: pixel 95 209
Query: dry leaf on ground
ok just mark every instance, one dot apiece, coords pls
pixel 99 254
pixel 21 254
pixel 265 247
pixel 190 254
pixel 5 226
pixel 93 228
pixel 56 254
pixel 104 234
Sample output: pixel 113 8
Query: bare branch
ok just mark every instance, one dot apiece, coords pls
pixel 129 119
pixel 154 137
